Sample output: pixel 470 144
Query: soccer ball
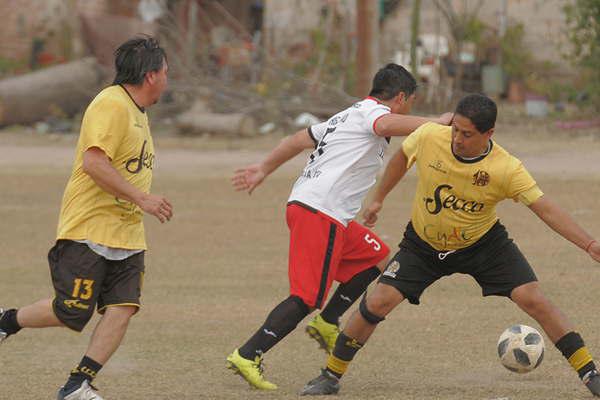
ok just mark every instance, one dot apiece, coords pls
pixel 521 348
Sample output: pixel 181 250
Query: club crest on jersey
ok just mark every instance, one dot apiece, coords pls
pixel 392 269
pixel 481 178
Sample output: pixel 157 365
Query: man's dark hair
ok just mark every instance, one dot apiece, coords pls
pixel 392 79
pixel 135 58
pixel 480 109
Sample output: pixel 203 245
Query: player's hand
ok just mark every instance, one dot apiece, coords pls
pixel 248 178
pixel 370 214
pixel 446 118
pixel 594 251
pixel 158 206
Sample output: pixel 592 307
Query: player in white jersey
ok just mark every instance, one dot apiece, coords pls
pixel 325 243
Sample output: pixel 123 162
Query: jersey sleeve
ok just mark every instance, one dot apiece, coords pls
pixel 522 186
pixel 317 131
pixel 372 116
pixel 103 126
pixel 412 143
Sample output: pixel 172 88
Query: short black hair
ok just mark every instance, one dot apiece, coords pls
pixel 135 58
pixel 392 79
pixel 480 109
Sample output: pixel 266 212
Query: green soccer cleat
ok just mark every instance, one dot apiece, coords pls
pixel 251 371
pixel 323 332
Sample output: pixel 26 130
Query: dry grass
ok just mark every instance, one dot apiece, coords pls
pixel 216 270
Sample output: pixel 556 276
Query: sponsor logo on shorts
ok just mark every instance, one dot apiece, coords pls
pixel 392 269
pixel 76 304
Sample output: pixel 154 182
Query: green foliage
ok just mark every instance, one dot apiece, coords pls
pixel 583 22
pixel 9 66
pixel 474 31
pixel 516 57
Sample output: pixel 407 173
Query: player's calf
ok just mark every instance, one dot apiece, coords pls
pixel 574 350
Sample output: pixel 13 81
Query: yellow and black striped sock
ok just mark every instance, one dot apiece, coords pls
pixel 573 349
pixel 343 353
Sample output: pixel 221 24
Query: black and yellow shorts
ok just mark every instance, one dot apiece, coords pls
pixel 84 280
pixel 494 261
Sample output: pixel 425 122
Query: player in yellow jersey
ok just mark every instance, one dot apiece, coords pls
pixel 454 228
pixel 98 259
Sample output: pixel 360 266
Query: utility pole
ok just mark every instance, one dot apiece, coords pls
pixel 414 37
pixel 367 49
pixel 502 26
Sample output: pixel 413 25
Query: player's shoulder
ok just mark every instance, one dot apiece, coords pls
pixel 113 97
pixel 368 105
pixel 504 157
pixel 434 130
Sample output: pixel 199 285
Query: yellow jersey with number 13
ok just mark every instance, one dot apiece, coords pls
pixel 115 124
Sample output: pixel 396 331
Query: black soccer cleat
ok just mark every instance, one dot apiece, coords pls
pixel 592 381
pixel 3 335
pixel 324 384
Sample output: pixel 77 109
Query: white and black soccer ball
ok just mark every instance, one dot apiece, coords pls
pixel 521 348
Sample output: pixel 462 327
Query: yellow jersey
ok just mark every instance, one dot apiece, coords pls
pixel 455 200
pixel 115 124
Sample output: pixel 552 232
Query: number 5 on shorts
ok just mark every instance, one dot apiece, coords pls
pixel 373 241
pixel 86 285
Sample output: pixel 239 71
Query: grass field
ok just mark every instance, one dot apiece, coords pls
pixel 220 265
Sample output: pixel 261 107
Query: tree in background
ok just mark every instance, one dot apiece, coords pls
pixel 583 22
pixel 459 23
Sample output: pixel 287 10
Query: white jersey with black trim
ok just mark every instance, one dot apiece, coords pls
pixel 347 156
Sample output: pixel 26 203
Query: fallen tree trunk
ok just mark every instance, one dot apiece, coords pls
pixel 62 90
pixel 198 120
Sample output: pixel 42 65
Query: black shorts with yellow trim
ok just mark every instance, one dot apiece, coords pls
pixel 494 261
pixel 84 280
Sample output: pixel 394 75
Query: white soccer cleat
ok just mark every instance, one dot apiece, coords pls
pixel 85 392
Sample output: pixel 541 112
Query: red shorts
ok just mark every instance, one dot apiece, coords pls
pixel 323 250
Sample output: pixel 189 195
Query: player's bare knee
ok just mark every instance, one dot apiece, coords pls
pixel 369 313
pixel 533 302
pixel 120 313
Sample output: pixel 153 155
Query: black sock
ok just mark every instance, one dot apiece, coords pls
pixel 85 371
pixel 347 293
pixel 8 322
pixel 573 349
pixel 281 321
pixel 343 353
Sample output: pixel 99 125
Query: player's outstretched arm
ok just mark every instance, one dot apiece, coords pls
pixel 248 178
pixel 394 172
pixel 404 125
pixel 563 224
pixel 97 165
